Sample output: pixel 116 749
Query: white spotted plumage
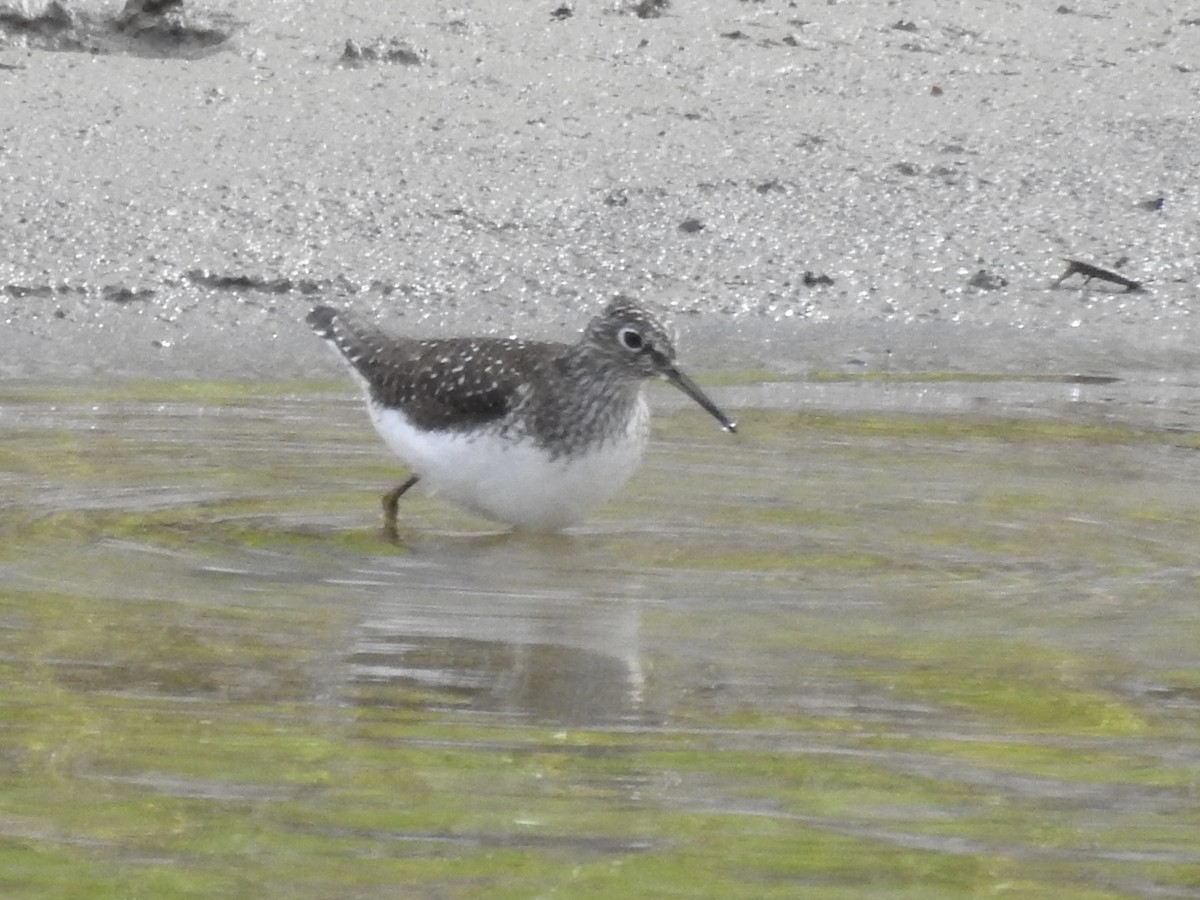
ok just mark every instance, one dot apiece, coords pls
pixel 533 434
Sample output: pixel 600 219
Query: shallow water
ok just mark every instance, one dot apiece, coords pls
pixel 899 637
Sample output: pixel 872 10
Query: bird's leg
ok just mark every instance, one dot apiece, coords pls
pixel 390 501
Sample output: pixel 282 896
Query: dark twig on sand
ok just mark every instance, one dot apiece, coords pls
pixel 1088 271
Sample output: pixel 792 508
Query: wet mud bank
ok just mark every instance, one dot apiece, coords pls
pixel 841 188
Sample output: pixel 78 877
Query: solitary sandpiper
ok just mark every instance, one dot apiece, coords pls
pixel 534 434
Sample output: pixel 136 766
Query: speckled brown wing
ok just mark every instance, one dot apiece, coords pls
pixel 451 384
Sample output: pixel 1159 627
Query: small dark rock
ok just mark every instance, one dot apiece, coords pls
pixel 21 290
pixel 54 18
pixel 986 281
pixel 1154 204
pixel 905 25
pixel 691 226
pixel 562 12
pixel 243 283
pixel 822 280
pixel 122 294
pixel 391 51
pixel 155 7
pixel 161 28
pixel 650 9
pixel 907 168
pixel 134 9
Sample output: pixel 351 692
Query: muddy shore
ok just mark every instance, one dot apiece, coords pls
pixel 842 185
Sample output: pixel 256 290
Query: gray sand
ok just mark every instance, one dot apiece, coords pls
pixel 177 218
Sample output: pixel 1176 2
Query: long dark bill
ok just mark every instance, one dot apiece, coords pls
pixel 690 388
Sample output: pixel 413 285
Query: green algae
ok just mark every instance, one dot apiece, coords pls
pixel 1025 687
pixel 134 390
pixel 182 718
pixel 817 376
pixel 765 425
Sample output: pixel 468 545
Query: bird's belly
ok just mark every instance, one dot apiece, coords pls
pixel 514 481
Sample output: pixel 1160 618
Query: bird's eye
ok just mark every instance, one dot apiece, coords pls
pixel 630 339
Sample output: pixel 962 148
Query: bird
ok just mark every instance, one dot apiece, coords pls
pixel 530 434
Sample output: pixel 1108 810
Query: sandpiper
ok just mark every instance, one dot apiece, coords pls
pixel 533 434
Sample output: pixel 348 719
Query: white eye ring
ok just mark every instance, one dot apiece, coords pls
pixel 631 339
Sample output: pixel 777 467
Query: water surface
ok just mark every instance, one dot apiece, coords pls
pixel 898 637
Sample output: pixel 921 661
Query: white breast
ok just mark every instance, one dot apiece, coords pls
pixel 515 482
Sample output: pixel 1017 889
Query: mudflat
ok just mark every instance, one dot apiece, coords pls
pixel 807 186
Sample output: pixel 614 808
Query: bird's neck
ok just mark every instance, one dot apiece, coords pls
pixel 599 405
